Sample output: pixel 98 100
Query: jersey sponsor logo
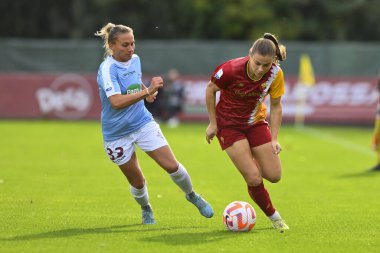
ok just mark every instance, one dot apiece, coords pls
pixel 69 96
pixel 219 74
pixel 129 73
pixel 247 94
pixel 133 88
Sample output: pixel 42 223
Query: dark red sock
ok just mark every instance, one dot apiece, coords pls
pixel 261 197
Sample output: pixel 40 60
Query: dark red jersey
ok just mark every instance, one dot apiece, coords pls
pixel 241 101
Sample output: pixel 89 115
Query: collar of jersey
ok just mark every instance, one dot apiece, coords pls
pixel 121 64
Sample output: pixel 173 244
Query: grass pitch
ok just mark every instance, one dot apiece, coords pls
pixel 60 193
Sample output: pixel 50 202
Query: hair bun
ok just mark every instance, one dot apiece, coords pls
pixel 267 36
pixel 109 26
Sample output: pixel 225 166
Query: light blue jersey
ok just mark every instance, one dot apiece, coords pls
pixel 121 78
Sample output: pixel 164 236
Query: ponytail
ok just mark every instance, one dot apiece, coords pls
pixel 280 49
pixel 269 45
pixel 109 34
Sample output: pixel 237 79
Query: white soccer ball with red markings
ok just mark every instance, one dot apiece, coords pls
pixel 239 216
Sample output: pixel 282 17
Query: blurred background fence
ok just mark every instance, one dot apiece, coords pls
pixel 190 57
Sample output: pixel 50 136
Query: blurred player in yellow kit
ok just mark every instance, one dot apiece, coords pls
pixel 376 132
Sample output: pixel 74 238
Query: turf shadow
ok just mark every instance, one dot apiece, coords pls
pixel 197 238
pixel 367 173
pixel 165 234
pixel 71 232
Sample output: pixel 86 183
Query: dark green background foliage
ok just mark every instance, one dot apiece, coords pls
pixel 302 20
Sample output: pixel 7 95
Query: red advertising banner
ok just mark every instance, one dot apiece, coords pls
pixel 66 96
pixel 75 96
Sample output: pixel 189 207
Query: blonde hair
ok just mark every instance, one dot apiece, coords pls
pixel 269 45
pixel 109 33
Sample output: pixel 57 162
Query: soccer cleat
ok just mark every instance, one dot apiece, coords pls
pixel 375 169
pixel 280 225
pixel 147 215
pixel 204 208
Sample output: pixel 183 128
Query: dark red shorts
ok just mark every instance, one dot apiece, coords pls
pixel 256 135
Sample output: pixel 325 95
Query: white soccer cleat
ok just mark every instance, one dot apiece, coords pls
pixel 280 225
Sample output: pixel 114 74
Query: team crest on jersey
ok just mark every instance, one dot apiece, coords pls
pixel 264 85
pixel 219 74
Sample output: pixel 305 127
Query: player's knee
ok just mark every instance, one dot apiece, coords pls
pixel 254 179
pixel 170 166
pixel 274 178
pixel 138 183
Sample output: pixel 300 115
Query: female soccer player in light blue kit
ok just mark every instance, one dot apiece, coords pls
pixel 126 122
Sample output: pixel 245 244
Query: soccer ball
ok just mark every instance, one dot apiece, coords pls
pixel 239 216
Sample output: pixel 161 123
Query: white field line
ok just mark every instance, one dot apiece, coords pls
pixel 365 150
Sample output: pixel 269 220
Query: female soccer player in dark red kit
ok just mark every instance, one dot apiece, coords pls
pixel 239 118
